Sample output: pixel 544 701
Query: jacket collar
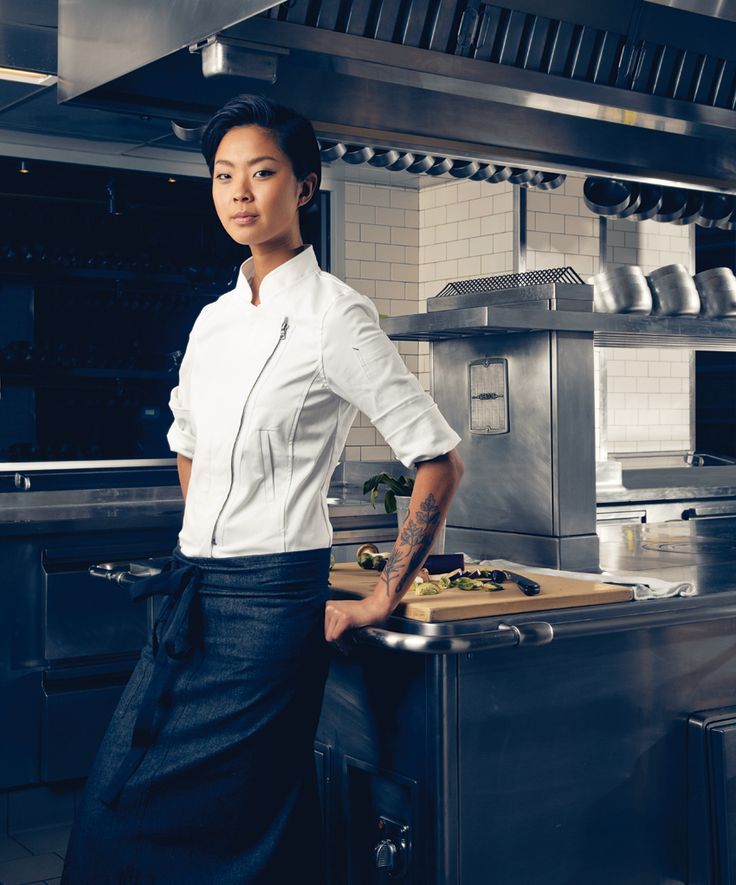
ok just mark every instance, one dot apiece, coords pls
pixel 279 279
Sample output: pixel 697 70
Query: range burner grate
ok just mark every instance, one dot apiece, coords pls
pixel 511 281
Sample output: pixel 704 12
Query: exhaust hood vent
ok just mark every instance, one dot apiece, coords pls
pixel 624 88
pixel 642 62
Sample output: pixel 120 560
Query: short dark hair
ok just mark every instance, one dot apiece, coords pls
pixel 294 133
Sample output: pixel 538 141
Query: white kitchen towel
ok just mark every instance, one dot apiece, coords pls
pixel 644 586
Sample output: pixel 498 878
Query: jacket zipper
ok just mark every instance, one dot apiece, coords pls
pixel 282 335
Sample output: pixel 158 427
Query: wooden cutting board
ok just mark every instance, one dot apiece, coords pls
pixel 452 605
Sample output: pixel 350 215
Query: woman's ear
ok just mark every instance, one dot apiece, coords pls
pixel 307 189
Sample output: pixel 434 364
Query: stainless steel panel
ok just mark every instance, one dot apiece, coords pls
pixel 511 488
pixel 100 41
pixel 573 434
pixel 86 618
pixel 573 553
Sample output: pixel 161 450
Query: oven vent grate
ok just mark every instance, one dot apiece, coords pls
pixel 511 281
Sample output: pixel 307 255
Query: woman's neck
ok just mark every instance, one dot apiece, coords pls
pixel 267 259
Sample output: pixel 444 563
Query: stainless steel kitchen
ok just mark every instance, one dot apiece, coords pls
pixel 525 218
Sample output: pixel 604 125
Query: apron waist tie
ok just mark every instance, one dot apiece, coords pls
pixel 177 643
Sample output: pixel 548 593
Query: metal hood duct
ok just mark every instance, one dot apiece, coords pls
pixel 644 90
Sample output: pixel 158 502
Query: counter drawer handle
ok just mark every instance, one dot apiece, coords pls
pixel 504 636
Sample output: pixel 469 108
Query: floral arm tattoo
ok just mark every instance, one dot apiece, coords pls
pixel 415 539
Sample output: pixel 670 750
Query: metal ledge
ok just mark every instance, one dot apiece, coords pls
pixel 611 330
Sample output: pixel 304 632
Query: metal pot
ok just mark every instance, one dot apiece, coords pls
pixel 717 288
pixel 621 289
pixel 521 176
pixel 673 291
pixel 405 160
pixel 650 201
pixel 551 180
pixel 716 209
pixel 634 202
pixel 382 158
pixel 441 166
pixel 693 208
pixel 606 196
pixel 331 150
pixel 464 168
pixel 357 153
pixel 421 163
pixel 673 205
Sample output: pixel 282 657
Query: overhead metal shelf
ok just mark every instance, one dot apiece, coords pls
pixel 609 330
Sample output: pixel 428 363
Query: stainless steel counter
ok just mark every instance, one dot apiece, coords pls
pixel 24 513
pixel 671 484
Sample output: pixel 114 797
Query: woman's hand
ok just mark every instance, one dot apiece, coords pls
pixel 342 615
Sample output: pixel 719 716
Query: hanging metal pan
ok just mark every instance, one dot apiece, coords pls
pixel 383 158
pixel 421 164
pixel 331 150
pixel 521 176
pixel 634 201
pixel 650 201
pixel 551 180
pixel 357 153
pixel 692 210
pixel 674 201
pixel 405 160
pixel 716 209
pixel 534 181
pixel 464 168
pixel 729 223
pixel 606 196
pixel 441 166
pixel 497 174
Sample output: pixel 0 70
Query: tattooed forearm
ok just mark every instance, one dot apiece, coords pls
pixel 415 540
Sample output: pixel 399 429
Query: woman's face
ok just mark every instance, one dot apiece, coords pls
pixel 255 191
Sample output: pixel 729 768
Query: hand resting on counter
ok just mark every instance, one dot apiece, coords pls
pixel 434 488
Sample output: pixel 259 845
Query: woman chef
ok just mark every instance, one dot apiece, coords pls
pixel 206 774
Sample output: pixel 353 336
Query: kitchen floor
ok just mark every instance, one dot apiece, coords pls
pixel 33 856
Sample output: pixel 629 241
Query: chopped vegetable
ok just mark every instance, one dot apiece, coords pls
pixel 466 584
pixel 427 588
pixel 365 548
pixel 375 561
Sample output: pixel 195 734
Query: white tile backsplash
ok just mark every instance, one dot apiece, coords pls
pixel 402 245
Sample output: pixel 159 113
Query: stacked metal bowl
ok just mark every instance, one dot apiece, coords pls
pixel 667 291
pixel 673 291
pixel 621 289
pixel 717 288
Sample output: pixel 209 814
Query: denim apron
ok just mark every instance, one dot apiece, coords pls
pixel 206 771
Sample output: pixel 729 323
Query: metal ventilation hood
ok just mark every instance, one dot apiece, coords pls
pixel 637 89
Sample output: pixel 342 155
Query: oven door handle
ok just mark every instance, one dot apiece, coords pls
pixel 504 636
pixel 123 572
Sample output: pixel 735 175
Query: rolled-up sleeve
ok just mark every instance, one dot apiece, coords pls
pixel 182 434
pixel 361 364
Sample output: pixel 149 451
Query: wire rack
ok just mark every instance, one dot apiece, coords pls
pixel 511 281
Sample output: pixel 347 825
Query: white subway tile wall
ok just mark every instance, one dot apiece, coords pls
pixel 649 393
pixel 562 231
pixel 382 261
pixel 403 245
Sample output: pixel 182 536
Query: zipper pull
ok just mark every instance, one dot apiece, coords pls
pixel 284 327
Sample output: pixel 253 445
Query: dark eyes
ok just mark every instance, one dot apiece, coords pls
pixel 222 176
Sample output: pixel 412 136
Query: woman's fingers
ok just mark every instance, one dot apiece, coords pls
pixel 337 623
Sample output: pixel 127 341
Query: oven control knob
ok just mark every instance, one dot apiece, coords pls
pixel 386 856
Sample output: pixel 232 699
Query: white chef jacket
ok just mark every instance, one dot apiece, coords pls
pixel 267 394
